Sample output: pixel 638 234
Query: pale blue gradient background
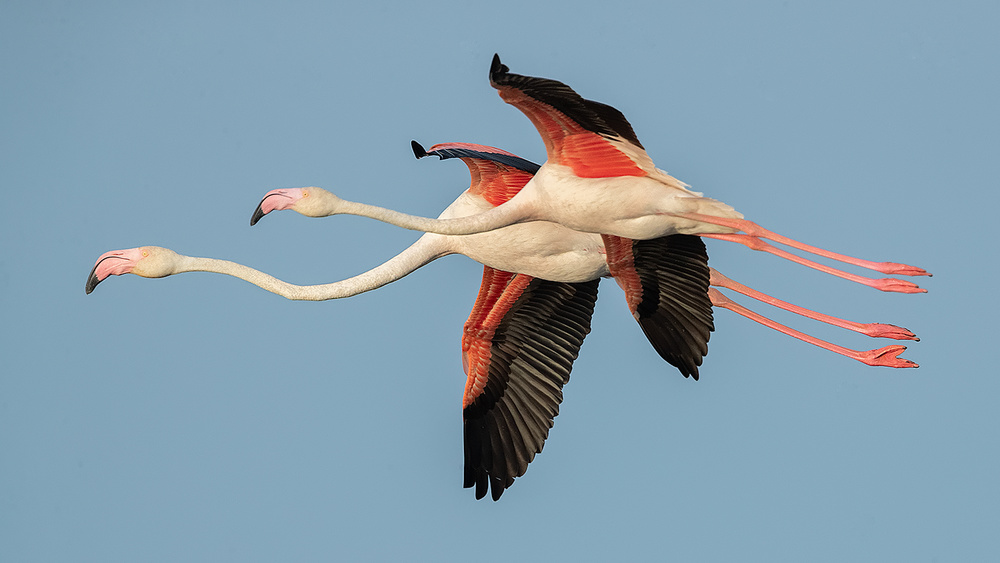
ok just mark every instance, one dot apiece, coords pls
pixel 198 418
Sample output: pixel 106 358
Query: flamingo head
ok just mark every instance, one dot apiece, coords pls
pixel 311 202
pixel 145 261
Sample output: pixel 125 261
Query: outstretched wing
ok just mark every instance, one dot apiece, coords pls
pixel 592 138
pixel 497 175
pixel 518 348
pixel 666 284
pixel 519 343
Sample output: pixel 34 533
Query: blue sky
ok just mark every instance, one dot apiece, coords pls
pixel 199 418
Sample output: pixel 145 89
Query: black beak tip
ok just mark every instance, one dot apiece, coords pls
pixel 92 281
pixel 257 214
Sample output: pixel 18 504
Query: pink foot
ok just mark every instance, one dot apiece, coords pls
pixel 887 357
pixel 894 285
pixel 882 330
pixel 895 269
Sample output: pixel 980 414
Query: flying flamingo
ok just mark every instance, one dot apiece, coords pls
pixel 534 326
pixel 598 179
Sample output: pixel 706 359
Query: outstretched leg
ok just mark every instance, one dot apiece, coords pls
pixel 875 330
pixel 887 356
pixel 755 232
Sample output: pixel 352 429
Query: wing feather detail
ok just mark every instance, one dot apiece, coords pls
pixel 497 175
pixel 666 284
pixel 594 139
pixel 519 356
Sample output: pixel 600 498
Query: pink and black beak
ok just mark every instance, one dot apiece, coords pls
pixel 275 200
pixel 114 263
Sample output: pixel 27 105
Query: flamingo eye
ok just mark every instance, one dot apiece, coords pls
pixel 305 193
pixel 145 253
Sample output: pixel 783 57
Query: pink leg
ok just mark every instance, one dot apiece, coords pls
pixel 875 330
pixel 883 284
pixel 887 356
pixel 755 230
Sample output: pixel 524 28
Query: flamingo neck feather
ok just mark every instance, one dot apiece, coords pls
pixel 427 249
pixel 501 216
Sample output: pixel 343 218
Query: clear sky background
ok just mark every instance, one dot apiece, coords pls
pixel 199 418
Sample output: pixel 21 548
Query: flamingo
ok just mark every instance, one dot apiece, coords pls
pixel 524 332
pixel 598 178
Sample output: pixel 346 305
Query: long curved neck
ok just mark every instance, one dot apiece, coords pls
pixel 501 216
pixel 423 251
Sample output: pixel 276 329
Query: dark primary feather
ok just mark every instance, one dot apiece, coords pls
pixel 532 353
pixel 462 152
pixel 675 312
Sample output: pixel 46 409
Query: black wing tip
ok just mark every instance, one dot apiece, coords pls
pixel 486 484
pixel 688 366
pixel 497 68
pixel 496 488
pixel 503 158
pixel 418 149
pixel 478 478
